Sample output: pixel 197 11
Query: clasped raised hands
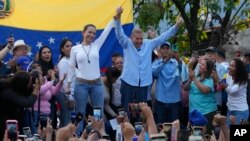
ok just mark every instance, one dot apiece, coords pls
pixel 119 11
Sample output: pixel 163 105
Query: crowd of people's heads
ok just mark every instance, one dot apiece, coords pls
pixel 112 106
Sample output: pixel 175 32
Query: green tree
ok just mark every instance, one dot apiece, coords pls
pixel 199 16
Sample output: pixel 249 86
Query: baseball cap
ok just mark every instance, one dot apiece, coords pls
pixel 211 49
pixel 166 44
pixel 221 53
pixel 23 62
pixel 197 119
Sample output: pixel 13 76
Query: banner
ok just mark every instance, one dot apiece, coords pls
pixel 47 22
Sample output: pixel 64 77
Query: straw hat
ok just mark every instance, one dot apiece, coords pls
pixel 19 43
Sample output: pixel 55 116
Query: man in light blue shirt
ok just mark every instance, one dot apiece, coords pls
pixel 137 71
pixel 168 88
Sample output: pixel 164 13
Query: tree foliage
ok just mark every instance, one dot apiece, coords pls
pixel 220 17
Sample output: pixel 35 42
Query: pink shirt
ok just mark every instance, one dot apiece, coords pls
pixel 47 90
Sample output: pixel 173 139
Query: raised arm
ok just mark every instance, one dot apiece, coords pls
pixel 101 39
pixel 167 34
pixel 5 50
pixel 119 32
pixel 157 67
pixel 205 87
pixel 46 86
pixel 55 89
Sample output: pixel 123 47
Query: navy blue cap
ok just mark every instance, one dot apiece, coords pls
pixel 166 44
pixel 211 49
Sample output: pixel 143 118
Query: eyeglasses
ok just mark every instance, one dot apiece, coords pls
pixel 22 48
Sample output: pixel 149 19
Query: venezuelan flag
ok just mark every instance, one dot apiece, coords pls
pixel 47 22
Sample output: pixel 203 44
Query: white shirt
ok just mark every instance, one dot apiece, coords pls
pixel 237 98
pixel 80 55
pixel 63 67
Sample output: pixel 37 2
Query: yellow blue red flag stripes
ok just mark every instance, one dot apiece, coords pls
pixel 47 22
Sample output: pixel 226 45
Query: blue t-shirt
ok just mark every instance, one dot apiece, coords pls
pixel 205 103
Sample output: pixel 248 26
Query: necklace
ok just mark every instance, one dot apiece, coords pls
pixel 87 53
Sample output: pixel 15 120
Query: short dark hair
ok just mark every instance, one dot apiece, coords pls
pixel 117 54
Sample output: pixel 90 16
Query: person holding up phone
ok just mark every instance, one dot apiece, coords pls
pixel 42 105
pixel 167 90
pixel 4 49
pixel 7 48
pixel 16 93
pixel 201 91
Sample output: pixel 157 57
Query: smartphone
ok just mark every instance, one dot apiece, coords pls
pixel 22 137
pixel 11 35
pixel 158 137
pixel 167 127
pixel 27 132
pixel 197 130
pixel 89 127
pixel 73 117
pixel 134 108
pixel 12 129
pixel 36 137
pixel 97 113
pixel 43 121
pixel 79 118
pixel 121 112
pixel 106 137
pixel 138 128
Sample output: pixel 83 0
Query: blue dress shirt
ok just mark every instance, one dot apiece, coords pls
pixel 137 70
pixel 168 89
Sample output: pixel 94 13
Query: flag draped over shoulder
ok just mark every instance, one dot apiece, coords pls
pixel 47 22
